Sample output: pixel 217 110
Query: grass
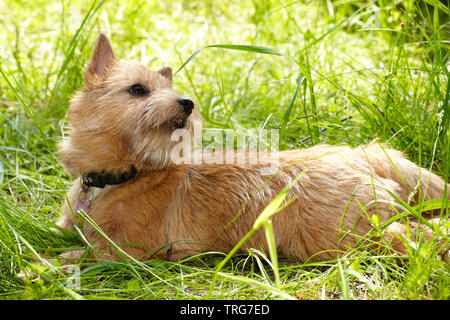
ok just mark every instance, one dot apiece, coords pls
pixel 338 72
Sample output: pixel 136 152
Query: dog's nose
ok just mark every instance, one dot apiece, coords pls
pixel 187 105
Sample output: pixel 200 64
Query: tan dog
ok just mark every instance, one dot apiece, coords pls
pixel 120 145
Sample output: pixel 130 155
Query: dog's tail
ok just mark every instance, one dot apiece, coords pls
pixel 422 185
pixel 418 185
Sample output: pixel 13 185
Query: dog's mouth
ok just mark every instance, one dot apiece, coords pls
pixel 177 123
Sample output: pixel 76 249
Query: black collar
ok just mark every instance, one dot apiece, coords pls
pixel 100 180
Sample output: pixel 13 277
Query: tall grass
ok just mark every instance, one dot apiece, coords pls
pixel 319 71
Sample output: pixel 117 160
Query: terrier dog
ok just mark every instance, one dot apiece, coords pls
pixel 120 146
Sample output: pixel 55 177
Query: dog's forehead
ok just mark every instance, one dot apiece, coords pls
pixel 134 72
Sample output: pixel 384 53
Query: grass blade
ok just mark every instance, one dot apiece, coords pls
pixel 287 113
pixel 73 44
pixel 239 47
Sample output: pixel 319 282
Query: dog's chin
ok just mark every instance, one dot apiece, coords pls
pixel 176 123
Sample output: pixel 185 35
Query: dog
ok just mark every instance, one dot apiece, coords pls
pixel 120 147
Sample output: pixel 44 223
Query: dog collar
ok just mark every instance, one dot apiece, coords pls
pixel 100 180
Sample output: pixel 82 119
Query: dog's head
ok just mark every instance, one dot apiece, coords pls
pixel 125 114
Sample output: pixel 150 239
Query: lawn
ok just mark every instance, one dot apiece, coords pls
pixel 336 72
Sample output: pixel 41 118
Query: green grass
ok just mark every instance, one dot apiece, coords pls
pixel 338 72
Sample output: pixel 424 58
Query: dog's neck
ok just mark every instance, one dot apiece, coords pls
pixel 103 178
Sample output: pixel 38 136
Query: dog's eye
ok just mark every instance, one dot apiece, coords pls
pixel 138 90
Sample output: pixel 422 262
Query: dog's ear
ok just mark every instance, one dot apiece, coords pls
pixel 166 72
pixel 101 58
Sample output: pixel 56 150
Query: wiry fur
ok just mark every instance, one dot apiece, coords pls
pixel 199 207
